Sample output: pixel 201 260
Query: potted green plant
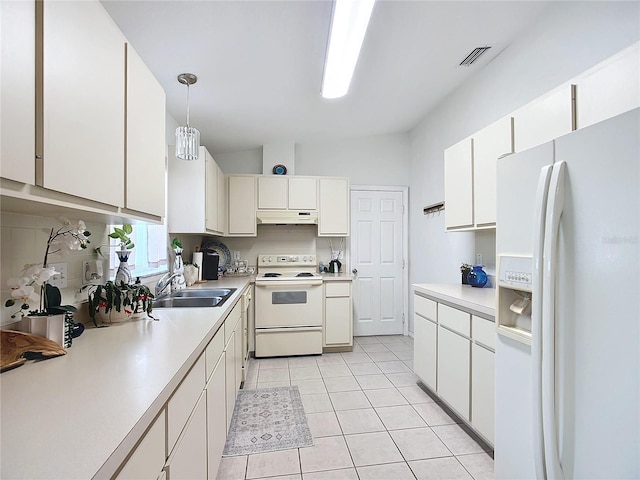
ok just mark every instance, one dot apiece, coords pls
pixel 121 298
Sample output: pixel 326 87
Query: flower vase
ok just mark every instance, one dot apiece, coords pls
pixel 53 327
pixel 477 277
pixel 178 282
pixel 123 275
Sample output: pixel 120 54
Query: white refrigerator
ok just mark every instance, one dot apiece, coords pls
pixel 568 314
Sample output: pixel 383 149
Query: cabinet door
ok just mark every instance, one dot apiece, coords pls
pixel 610 88
pixel 303 193
pixel 482 391
pixel 425 350
pixel 242 205
pixel 18 93
pixel 333 214
pixel 182 402
pixel 186 181
pixel 222 201
pixel 189 460
pixel 337 325
pixel 458 184
pixel 146 130
pixel 216 417
pixel 230 377
pixel 489 144
pixel 454 356
pixel 148 458
pixel 83 110
pixel 272 193
pixel 544 119
pixel 211 193
pixel 238 353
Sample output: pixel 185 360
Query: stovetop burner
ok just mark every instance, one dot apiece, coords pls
pixel 305 274
pixel 271 275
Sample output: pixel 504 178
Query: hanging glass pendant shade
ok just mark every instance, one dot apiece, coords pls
pixel 187 137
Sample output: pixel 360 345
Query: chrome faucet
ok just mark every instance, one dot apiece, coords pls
pixel 164 282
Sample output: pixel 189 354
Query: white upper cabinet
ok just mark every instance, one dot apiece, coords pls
pixel 287 193
pixel 17 96
pixel 610 88
pixel 545 119
pixel 303 193
pixel 83 102
pixel 489 144
pixel 145 172
pixel 194 188
pixel 458 184
pixel 242 205
pixel 334 210
pixel 222 201
pixel 272 192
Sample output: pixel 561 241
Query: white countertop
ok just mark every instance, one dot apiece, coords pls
pixel 477 300
pixel 77 416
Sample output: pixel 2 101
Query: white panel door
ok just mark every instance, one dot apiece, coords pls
pixel 377 251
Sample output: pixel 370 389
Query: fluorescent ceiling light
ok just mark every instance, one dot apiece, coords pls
pixel 348 26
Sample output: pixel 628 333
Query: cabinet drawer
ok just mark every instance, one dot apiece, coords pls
pixel 456 320
pixel 484 331
pixel 424 307
pixel 214 351
pixel 231 322
pixel 337 289
pixel 183 400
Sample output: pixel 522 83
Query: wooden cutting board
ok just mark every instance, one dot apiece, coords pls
pixel 18 347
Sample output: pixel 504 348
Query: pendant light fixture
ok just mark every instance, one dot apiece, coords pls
pixel 187 137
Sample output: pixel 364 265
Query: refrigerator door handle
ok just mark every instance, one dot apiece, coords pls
pixel 542 192
pixel 555 207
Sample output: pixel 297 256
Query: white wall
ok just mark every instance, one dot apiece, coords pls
pixel 570 38
pixel 373 160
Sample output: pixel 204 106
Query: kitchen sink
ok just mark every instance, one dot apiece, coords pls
pixel 215 292
pixel 194 298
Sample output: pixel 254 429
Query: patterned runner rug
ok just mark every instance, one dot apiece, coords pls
pixel 267 419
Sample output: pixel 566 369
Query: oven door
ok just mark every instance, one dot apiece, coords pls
pixel 282 304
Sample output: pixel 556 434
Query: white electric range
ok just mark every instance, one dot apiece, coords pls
pixel 288 305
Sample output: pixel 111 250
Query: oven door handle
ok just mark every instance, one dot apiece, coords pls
pixel 288 283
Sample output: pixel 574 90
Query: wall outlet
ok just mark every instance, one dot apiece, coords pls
pixel 479 259
pixel 59 280
pixel 236 255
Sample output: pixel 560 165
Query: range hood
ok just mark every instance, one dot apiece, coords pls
pixel 286 217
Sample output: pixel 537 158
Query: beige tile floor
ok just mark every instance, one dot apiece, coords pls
pixel 369 420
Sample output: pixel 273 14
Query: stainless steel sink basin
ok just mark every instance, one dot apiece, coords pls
pixel 194 298
pixel 216 292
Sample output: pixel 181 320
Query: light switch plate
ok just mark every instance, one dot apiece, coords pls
pixel 59 280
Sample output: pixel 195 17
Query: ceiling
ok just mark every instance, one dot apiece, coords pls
pixel 260 63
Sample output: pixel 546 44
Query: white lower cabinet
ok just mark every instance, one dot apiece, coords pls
pixel 483 391
pixel 189 458
pixel 216 417
pixel 425 333
pixel 338 318
pixel 454 357
pixel 454 360
pixel 148 458
pixel 230 376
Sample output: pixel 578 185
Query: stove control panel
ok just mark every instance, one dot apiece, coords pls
pixel 286 260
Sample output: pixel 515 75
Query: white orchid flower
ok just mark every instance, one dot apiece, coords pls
pixel 24 294
pixel 40 275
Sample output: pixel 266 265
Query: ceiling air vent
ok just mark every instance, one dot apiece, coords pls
pixel 473 56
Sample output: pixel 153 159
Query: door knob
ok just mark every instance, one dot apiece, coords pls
pixel 354 271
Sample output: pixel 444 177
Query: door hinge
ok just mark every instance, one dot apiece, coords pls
pixel 403 264
pixel 403 319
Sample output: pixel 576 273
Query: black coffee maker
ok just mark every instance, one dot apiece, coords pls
pixel 210 262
